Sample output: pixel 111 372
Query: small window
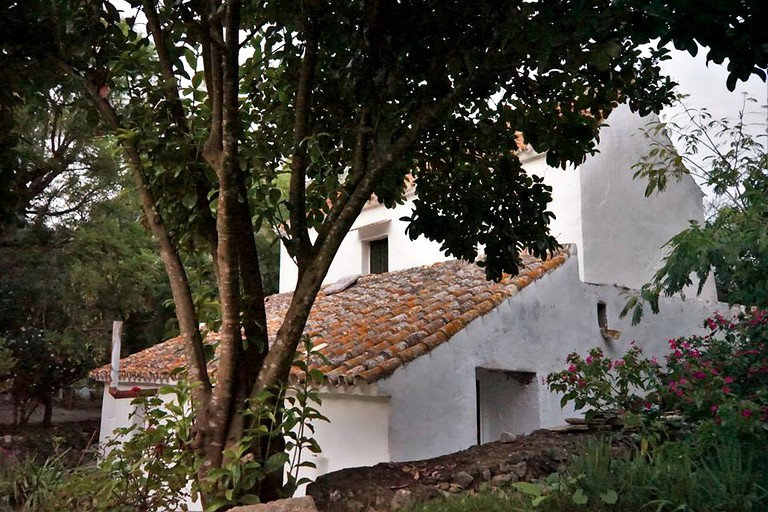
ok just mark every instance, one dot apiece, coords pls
pixel 379 256
pixel 602 323
pixel 602 315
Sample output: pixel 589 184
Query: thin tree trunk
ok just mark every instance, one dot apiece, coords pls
pixel 47 401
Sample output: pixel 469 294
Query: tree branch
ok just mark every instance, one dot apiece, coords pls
pixel 302 245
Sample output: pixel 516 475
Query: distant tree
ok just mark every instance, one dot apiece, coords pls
pixel 44 362
pixel 729 157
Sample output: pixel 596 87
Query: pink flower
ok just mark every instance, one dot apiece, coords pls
pixel 672 344
pixel 699 375
pixel 588 360
pixel 728 379
pixel 714 408
pixel 582 383
pixel 726 389
pixel 647 406
pixel 618 362
pixel 746 413
pixel 679 392
pixel 682 382
pixel 572 368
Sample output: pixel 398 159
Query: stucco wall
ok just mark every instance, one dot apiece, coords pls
pixel 375 221
pixel 433 400
pixel 622 230
pixel 116 412
pixel 357 433
pixel 599 207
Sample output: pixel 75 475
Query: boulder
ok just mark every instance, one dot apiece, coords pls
pixel 305 504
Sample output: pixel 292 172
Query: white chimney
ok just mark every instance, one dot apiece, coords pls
pixel 117 334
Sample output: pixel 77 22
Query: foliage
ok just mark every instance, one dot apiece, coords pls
pixel 44 362
pixel 724 474
pixel 719 381
pixel 214 102
pixel 7 361
pixel 730 158
pixel 29 484
pixel 291 423
pixel 149 465
pixel 701 475
pixel 627 384
pixel 557 487
pixel 727 30
pixel 486 500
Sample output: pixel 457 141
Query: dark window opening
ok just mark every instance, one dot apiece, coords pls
pixel 379 256
pixel 602 316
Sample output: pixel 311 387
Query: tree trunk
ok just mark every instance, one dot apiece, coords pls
pixel 47 401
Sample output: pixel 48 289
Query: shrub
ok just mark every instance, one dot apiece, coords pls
pixel 603 385
pixel 716 381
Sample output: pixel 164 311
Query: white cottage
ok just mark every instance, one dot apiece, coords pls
pixel 426 357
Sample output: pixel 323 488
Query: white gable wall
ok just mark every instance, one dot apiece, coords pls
pixel 433 398
pixel 599 207
pixel 117 412
pixel 623 229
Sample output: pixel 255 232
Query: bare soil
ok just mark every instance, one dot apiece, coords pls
pixel 391 486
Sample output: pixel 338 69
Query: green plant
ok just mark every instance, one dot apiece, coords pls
pixel 716 381
pixel 291 413
pixel 29 484
pixel 730 157
pixel 720 380
pixel 603 385
pixel 486 500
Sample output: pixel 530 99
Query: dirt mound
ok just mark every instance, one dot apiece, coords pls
pixel 391 486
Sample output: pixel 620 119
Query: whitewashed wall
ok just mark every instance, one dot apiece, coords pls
pixel 374 222
pixel 433 400
pixel 357 433
pixel 116 412
pixel 599 207
pixel 622 230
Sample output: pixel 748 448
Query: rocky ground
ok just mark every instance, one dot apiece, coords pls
pixel 391 486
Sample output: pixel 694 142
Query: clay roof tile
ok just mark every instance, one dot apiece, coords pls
pixel 375 326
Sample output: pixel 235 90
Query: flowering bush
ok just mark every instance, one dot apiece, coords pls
pixel 722 377
pixel 604 385
pixel 716 380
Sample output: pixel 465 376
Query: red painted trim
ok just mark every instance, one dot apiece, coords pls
pixel 134 392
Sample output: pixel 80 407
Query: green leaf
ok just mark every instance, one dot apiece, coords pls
pixel 579 498
pixel 529 488
pixel 276 462
pixel 609 497
pixel 249 499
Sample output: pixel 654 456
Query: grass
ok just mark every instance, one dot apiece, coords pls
pixel 725 475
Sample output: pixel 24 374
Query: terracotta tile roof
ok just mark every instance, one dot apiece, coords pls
pixel 375 326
